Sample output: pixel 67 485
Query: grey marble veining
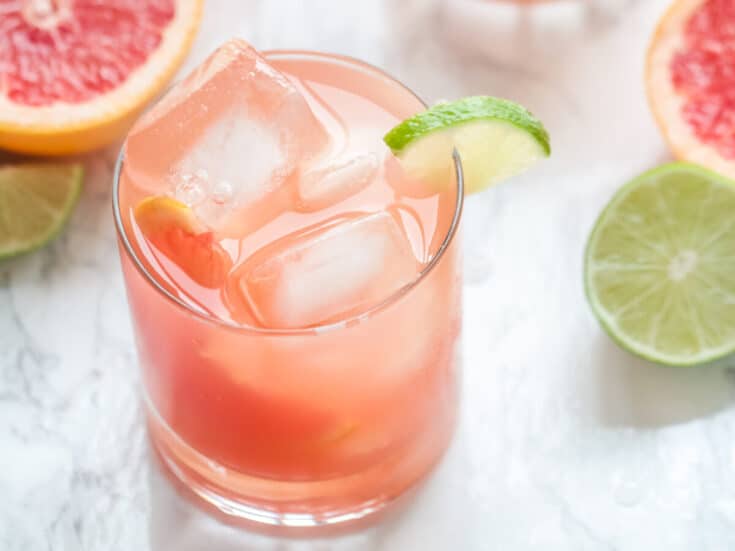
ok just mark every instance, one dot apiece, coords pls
pixel 565 441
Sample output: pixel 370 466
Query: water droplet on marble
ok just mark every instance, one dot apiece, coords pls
pixel 627 491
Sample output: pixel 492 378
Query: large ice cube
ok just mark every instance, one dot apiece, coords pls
pixel 226 137
pixel 325 185
pixel 336 270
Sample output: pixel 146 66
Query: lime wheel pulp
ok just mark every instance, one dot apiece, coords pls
pixel 659 266
pixel 36 200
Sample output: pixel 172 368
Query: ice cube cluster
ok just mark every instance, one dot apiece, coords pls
pixel 225 139
pixel 239 144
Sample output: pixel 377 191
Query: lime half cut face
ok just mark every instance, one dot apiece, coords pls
pixel 36 200
pixel 660 266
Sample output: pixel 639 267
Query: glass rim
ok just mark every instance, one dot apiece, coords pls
pixel 359 317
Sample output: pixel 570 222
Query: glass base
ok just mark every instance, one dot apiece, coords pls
pixel 286 508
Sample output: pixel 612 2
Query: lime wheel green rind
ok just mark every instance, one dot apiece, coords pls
pixel 496 139
pixel 36 200
pixel 470 109
pixel 660 266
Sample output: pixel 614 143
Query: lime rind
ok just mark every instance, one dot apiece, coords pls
pixel 719 354
pixel 36 201
pixel 495 138
pixel 450 114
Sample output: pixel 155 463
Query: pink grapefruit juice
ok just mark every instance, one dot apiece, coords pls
pixel 297 337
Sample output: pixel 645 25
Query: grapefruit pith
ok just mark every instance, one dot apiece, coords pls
pixel 75 73
pixel 690 78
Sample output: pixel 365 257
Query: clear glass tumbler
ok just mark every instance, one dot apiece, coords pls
pixel 308 427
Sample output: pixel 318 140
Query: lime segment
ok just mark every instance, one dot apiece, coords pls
pixel 660 266
pixel 35 202
pixel 495 138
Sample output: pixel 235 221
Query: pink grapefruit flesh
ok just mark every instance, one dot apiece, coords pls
pixel 75 73
pixel 690 78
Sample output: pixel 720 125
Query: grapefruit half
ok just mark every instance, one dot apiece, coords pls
pixel 75 73
pixel 690 79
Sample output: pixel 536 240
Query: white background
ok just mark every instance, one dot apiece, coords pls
pixel 565 442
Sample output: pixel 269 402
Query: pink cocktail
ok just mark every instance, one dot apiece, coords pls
pixel 296 297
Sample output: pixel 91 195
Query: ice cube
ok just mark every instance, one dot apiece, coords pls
pixel 342 267
pixel 245 163
pixel 323 186
pixel 235 125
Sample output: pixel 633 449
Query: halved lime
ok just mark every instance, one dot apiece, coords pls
pixel 35 202
pixel 660 266
pixel 495 138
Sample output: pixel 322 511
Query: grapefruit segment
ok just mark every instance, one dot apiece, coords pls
pixel 74 74
pixel 173 230
pixel 689 77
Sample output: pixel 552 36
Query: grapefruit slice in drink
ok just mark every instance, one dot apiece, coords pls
pixel 689 77
pixel 74 74
pixel 175 232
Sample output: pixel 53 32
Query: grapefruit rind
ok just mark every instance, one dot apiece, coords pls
pixel 154 214
pixel 67 128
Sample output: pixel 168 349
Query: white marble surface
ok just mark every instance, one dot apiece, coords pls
pixel 565 442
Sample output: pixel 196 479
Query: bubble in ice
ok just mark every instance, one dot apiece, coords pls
pixel 222 192
pixel 191 189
